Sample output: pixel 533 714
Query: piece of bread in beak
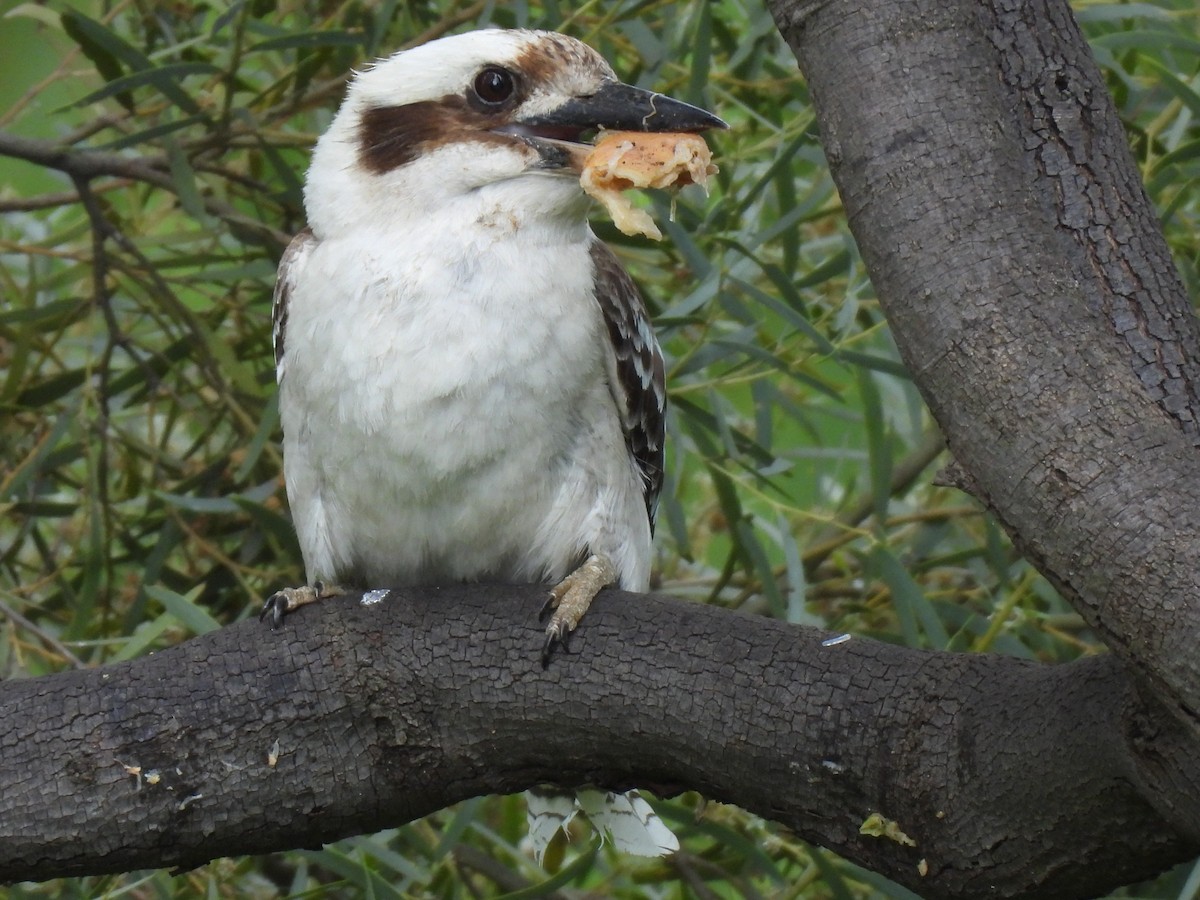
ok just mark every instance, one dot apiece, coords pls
pixel 624 160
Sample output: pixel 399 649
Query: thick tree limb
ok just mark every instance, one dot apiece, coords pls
pixel 989 185
pixel 1006 774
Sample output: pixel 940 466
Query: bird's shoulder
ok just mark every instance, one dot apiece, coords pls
pixel 291 265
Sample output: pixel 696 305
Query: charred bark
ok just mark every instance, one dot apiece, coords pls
pixel 1007 776
pixel 989 184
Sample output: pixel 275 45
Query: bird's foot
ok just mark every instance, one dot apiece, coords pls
pixel 288 600
pixel 570 599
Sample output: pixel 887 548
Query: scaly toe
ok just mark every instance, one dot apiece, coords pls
pixel 289 600
pixel 570 599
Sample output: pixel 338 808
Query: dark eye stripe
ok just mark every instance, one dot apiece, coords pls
pixel 391 136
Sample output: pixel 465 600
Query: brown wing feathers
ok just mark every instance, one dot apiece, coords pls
pixel 639 369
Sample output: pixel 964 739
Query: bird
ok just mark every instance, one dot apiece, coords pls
pixel 470 386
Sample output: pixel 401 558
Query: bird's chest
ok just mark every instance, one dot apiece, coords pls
pixel 446 357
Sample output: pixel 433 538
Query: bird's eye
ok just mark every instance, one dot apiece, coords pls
pixel 494 85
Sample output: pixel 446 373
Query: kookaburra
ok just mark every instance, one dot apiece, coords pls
pixel 469 385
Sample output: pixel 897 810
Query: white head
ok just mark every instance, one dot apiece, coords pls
pixel 498 111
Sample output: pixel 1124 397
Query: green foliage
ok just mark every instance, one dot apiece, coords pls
pixel 140 477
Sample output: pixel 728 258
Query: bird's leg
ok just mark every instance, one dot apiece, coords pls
pixel 287 600
pixel 570 599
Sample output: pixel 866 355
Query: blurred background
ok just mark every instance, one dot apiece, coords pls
pixel 141 491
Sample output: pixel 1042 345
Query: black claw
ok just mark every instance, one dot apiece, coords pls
pixel 547 608
pixel 275 606
pixel 547 652
pixel 555 640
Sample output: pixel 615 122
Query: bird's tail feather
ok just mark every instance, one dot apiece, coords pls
pixel 625 819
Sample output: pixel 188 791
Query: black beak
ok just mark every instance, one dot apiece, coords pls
pixel 622 107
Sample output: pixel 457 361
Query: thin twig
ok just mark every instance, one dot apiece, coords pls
pixel 48 638
pixel 86 163
pixel 102 230
pixel 89 164
pixel 904 474
pixel 47 201
pixel 845 527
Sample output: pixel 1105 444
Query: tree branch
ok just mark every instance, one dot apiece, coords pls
pixel 86 164
pixel 376 715
pixel 989 185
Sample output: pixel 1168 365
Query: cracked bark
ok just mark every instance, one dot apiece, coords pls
pixel 989 184
pixel 374 715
